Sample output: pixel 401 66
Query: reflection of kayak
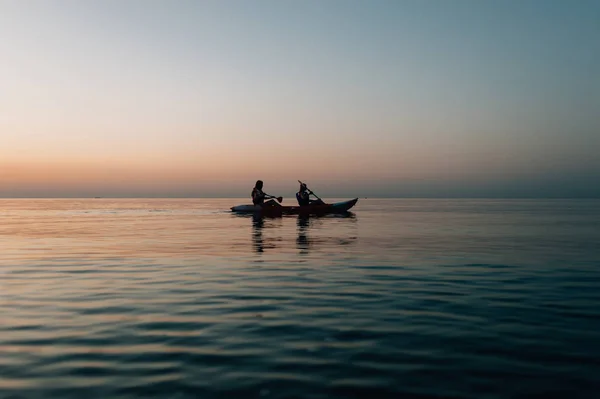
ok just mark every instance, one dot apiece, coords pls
pixel 276 209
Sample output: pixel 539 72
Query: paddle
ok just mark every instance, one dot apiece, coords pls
pixel 279 199
pixel 310 191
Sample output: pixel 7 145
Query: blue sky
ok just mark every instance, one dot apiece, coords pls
pixel 361 98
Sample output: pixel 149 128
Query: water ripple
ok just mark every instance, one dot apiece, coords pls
pixel 176 298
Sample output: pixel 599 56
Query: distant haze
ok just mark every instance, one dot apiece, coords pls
pixel 464 98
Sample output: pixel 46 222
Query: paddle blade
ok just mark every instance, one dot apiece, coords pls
pixel 279 199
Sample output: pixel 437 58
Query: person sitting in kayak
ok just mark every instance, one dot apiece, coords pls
pixel 258 196
pixel 303 196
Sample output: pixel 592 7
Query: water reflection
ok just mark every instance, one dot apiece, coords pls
pixel 276 233
pixel 302 242
pixel 258 223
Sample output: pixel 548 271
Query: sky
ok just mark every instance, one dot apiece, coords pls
pixel 423 98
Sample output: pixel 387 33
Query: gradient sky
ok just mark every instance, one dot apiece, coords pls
pixel 359 98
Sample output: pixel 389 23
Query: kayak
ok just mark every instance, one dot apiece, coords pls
pixel 276 209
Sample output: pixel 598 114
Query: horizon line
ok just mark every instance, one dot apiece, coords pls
pixel 335 197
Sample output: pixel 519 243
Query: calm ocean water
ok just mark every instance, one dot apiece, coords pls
pixel 172 298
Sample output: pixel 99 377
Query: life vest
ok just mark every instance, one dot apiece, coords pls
pixel 303 198
pixel 258 197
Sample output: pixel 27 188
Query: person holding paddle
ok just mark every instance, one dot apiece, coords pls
pixel 258 196
pixel 303 196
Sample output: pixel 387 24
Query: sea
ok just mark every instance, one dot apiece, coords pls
pixel 401 298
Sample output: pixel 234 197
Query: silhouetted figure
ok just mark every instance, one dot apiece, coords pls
pixel 258 196
pixel 303 196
